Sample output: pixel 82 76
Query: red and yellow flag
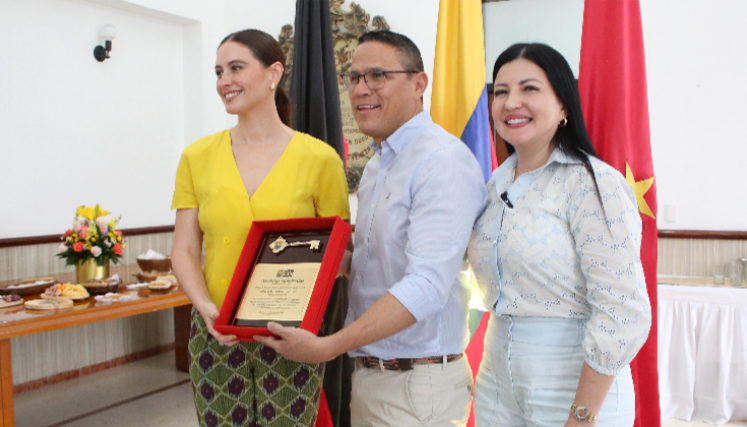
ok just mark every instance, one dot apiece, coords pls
pixel 612 82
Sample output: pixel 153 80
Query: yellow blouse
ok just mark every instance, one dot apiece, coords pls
pixel 308 180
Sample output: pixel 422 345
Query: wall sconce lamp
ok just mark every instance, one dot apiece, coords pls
pixel 107 33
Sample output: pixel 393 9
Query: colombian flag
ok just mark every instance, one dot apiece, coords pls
pixel 460 102
pixel 460 99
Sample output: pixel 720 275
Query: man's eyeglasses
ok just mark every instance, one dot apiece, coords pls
pixel 374 79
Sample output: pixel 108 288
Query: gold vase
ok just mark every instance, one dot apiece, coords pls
pixel 88 270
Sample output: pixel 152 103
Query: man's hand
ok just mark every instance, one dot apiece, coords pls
pixel 297 344
pixel 384 318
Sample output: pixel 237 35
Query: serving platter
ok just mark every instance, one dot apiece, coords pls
pixel 49 304
pixel 28 289
pixel 11 304
pixel 62 297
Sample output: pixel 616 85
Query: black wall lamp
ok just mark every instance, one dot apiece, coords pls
pixel 107 33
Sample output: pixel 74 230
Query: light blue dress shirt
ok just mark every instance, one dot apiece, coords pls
pixel 559 253
pixel 418 199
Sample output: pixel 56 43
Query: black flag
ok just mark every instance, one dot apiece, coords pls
pixel 316 111
pixel 313 90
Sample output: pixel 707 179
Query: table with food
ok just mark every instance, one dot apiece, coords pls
pixel 42 304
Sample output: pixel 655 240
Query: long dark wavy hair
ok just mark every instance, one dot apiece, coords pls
pixel 572 139
pixel 267 51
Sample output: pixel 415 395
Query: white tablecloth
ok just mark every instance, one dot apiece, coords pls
pixel 703 353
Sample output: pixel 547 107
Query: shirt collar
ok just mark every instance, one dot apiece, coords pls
pixel 561 157
pixel 399 139
pixel 508 166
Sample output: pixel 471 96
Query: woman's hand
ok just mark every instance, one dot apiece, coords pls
pixel 210 313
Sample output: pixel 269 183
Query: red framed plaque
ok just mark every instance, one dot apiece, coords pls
pixel 285 274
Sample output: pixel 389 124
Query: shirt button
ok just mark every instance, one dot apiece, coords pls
pixel 508 335
pixel 224 282
pixel 226 240
pixel 495 242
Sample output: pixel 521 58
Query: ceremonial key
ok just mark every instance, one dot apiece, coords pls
pixel 280 244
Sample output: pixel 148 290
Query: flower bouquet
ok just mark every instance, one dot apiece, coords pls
pixel 92 243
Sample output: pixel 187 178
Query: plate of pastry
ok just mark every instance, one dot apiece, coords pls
pixel 66 290
pixel 115 297
pixel 160 285
pixel 163 282
pixel 10 301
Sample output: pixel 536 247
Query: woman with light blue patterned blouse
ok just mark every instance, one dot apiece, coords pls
pixel 556 257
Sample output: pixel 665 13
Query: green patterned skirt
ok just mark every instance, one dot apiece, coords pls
pixel 249 384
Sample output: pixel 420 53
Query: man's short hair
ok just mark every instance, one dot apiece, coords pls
pixel 409 54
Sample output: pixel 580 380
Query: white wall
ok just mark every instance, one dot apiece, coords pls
pixel 695 59
pixel 553 22
pixel 75 131
pixel 695 69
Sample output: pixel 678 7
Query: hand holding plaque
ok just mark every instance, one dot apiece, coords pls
pixel 285 274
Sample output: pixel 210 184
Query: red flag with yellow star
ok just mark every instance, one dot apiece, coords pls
pixel 612 82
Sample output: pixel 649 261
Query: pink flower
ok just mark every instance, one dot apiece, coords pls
pixel 103 228
pixel 96 251
pixel 83 233
pixel 62 248
pixel 77 226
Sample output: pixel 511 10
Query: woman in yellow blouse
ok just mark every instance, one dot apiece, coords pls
pixel 260 169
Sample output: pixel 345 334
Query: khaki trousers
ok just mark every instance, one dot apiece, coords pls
pixel 428 395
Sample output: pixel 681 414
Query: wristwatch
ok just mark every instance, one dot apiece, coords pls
pixel 582 413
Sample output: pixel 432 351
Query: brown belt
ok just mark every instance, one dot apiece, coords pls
pixel 405 364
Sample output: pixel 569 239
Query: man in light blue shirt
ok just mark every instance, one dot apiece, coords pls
pixel 419 197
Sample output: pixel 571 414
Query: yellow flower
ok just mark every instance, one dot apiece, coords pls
pixel 90 212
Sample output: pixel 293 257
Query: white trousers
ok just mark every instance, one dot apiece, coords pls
pixel 428 395
pixel 530 372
